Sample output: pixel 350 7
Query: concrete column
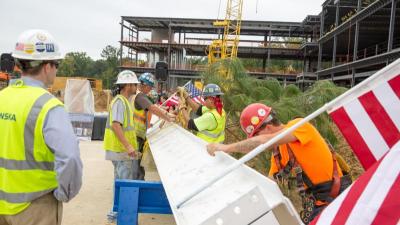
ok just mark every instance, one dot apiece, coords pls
pixel 264 62
pixel 391 26
pixel 321 33
pixel 136 55
pixel 122 38
pixel 335 37
pixel 169 46
pixel 269 50
pixel 319 66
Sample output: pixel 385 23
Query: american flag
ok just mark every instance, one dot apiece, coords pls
pixel 369 119
pixel 194 93
pixel 373 199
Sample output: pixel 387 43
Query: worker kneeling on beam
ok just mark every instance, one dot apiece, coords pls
pixel 40 166
pixel 210 125
pixel 143 108
pixel 303 153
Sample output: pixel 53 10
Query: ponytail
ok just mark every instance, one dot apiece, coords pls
pixel 218 104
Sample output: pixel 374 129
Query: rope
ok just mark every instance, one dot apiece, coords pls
pixel 182 104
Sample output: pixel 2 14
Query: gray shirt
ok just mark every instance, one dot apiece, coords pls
pixel 117 110
pixel 142 101
pixel 60 139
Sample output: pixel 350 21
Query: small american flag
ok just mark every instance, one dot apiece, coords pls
pixel 194 93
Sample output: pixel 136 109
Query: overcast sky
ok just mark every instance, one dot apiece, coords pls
pixel 88 26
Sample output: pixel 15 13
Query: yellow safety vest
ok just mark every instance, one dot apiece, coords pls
pixel 216 135
pixel 141 119
pixel 111 141
pixel 26 163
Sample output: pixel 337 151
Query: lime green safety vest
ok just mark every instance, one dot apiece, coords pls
pixel 218 134
pixel 111 141
pixel 26 163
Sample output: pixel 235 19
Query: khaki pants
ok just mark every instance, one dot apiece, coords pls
pixel 46 210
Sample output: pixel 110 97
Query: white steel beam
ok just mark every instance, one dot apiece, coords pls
pixel 242 197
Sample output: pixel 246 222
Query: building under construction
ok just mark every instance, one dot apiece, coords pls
pixel 347 42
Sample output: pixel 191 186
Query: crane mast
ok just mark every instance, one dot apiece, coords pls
pixel 227 45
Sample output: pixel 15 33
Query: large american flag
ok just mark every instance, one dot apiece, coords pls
pixel 194 93
pixel 373 199
pixel 369 119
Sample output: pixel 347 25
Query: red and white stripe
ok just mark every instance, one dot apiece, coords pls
pixel 175 100
pixel 199 100
pixel 369 118
pixel 373 199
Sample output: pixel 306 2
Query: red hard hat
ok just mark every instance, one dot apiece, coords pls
pixel 253 117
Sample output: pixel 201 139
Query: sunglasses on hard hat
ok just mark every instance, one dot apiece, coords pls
pixel 263 125
pixel 55 63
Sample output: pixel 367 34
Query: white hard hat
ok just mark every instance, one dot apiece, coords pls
pixel 127 77
pixel 36 45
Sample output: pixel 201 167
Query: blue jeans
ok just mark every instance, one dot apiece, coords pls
pixel 127 169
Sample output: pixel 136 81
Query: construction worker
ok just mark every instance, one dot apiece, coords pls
pixel 210 125
pixel 40 165
pixel 143 107
pixel 304 153
pixel 120 137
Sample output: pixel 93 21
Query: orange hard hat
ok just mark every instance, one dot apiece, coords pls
pixel 253 117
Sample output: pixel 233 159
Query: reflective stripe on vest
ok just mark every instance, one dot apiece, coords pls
pixel 22 197
pixel 140 122
pixel 209 134
pixel 26 163
pixel 111 142
pixel 218 134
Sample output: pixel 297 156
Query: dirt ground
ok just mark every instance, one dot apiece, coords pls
pixel 94 201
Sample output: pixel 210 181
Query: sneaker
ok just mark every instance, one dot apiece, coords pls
pixel 112 217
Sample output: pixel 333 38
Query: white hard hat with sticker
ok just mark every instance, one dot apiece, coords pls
pixel 127 77
pixel 36 45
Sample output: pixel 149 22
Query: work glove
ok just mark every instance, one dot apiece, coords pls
pixel 183 92
pixel 171 117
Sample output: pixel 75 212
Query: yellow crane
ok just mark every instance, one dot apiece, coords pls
pixel 227 46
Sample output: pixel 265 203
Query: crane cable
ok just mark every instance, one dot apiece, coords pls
pixel 256 6
pixel 219 9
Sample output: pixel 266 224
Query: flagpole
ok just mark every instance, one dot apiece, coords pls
pixel 275 139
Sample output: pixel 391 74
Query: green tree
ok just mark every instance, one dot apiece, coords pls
pixel 289 102
pixel 80 64
pixel 76 64
pixel 110 56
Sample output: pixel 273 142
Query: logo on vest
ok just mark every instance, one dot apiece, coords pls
pixel 7 116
